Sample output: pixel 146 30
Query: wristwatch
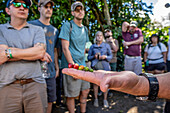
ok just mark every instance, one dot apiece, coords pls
pixel 153 87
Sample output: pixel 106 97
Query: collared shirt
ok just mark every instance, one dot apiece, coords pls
pixel 51 35
pixel 103 49
pixel 135 49
pixel 24 38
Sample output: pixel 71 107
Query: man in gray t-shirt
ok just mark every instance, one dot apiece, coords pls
pixel 21 47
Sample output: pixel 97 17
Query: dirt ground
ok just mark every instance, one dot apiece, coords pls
pixel 118 104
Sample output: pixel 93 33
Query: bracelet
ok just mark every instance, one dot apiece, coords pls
pixel 153 86
pixel 10 54
pixel 7 53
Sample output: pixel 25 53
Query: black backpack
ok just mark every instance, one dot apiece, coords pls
pixel 71 28
pixel 159 45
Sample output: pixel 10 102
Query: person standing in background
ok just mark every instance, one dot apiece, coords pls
pixel 73 46
pixel 100 54
pixel 155 55
pixel 45 8
pixel 114 45
pixel 133 39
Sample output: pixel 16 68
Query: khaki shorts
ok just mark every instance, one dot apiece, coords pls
pixel 31 97
pixel 72 87
pixel 133 64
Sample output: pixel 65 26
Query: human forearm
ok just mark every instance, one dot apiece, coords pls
pixel 33 53
pixel 128 82
pixel 56 62
pixel 115 48
pixel 68 56
pixel 145 56
pixel 138 41
pixel 164 56
pixel 164 89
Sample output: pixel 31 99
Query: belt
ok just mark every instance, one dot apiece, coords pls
pixel 132 56
pixel 23 81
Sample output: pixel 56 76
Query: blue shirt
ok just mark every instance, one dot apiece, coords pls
pixel 77 42
pixel 103 49
pixel 51 35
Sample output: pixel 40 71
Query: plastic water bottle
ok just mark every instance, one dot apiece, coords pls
pixel 125 46
pixel 44 68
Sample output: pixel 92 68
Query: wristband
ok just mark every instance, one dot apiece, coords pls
pixel 7 53
pixel 10 54
pixel 153 86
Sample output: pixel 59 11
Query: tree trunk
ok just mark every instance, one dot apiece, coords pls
pixel 106 13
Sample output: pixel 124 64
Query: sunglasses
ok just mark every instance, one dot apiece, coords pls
pixel 51 7
pixel 18 4
pixel 78 10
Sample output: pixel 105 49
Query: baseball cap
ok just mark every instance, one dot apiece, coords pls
pixel 154 35
pixel 44 2
pixel 27 2
pixel 133 23
pixel 75 4
pixel 107 30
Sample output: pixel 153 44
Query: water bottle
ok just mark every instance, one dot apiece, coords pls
pixel 44 68
pixel 125 46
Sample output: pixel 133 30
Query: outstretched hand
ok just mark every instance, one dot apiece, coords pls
pixel 125 81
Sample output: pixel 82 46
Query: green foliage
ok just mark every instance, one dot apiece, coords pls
pixel 119 11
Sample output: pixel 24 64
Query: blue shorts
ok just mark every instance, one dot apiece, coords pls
pixel 51 89
pixel 159 66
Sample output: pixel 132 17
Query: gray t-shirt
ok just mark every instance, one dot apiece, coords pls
pixel 154 52
pixel 24 38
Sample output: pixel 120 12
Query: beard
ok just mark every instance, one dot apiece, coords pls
pixel 131 31
pixel 79 18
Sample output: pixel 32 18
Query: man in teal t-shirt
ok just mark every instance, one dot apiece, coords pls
pixel 73 45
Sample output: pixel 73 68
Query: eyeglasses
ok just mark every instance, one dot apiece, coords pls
pixel 18 4
pixel 78 10
pixel 51 7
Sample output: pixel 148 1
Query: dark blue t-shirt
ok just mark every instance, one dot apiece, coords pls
pixel 51 35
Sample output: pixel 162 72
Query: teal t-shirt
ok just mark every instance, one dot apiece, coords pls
pixel 77 42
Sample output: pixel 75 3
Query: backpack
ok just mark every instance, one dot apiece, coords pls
pixel 159 45
pixel 60 47
pixel 71 28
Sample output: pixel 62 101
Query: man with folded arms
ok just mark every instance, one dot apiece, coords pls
pixel 22 45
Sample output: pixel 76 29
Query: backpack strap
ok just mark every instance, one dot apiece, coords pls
pixel 159 45
pixel 71 28
pixel 149 46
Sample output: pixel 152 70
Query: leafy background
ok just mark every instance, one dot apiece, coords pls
pixel 102 14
